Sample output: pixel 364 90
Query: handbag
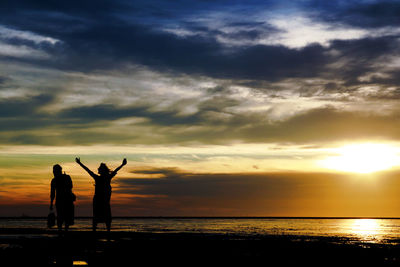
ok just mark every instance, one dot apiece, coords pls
pixel 51 219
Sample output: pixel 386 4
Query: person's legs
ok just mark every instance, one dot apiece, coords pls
pixel 108 225
pixel 94 224
pixel 107 215
pixel 60 219
pixel 95 213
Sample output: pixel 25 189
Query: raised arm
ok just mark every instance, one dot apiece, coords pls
pixel 117 169
pixel 78 160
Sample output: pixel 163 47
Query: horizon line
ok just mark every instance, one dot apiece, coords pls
pixel 214 217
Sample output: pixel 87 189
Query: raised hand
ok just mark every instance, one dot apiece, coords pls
pixel 78 160
pixel 124 162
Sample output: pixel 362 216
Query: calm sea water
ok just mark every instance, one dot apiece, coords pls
pixel 368 230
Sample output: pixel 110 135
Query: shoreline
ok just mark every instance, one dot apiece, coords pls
pixel 44 247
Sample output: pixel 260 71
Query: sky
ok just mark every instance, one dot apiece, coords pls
pixel 222 108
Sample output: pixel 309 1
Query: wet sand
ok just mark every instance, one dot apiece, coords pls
pixel 37 247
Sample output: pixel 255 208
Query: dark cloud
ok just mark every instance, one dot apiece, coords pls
pixel 314 126
pixel 186 193
pixel 83 8
pixel 119 44
pixel 194 55
pixel 324 125
pixel 176 182
pixel 10 108
pixel 331 87
pixel 363 14
pixel 103 39
pixel 179 192
pixel 111 112
pixel 3 81
pixel 214 125
pixel 170 173
pixel 247 31
pixel 31 139
pixel 361 57
pixel 111 43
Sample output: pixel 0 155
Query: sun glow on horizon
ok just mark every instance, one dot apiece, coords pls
pixel 363 158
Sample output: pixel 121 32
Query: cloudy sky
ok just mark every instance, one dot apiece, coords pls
pixel 222 108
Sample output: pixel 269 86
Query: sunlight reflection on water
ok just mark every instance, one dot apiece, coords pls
pixel 372 230
pixel 364 230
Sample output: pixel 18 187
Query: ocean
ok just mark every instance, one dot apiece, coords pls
pixel 364 230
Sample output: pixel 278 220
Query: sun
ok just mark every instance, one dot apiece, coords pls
pixel 363 158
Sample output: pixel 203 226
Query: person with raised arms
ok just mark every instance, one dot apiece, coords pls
pixel 102 194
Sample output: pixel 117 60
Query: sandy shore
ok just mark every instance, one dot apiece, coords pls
pixel 25 247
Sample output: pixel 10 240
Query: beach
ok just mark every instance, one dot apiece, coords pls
pixel 200 132
pixel 42 247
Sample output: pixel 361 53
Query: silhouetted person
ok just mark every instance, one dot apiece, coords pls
pixel 102 193
pixel 61 190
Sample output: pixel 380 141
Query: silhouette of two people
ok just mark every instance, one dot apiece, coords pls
pixel 102 194
pixel 61 191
